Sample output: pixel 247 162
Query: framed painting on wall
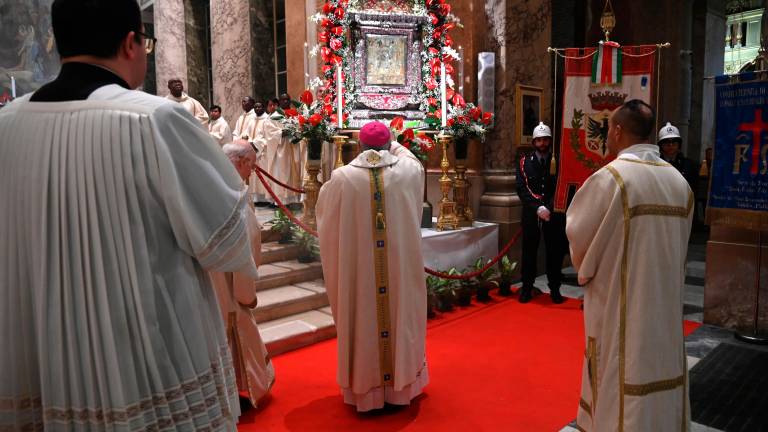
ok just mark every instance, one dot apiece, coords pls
pixel 527 113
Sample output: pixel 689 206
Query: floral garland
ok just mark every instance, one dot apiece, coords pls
pixel 333 48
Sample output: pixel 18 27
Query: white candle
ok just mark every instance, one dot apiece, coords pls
pixel 443 101
pixel 461 70
pixel 306 65
pixel 13 87
pixel 339 96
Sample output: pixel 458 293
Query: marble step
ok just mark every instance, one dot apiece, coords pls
pixel 275 252
pixel 696 269
pixel 276 303
pixel 297 331
pixel 289 272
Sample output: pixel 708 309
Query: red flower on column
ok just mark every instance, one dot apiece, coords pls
pixel 335 44
pixel 315 119
pixel 302 121
pixel 458 100
pixel 322 36
pixel 339 13
pixel 487 117
pixel 326 23
pixel 338 30
pixel 290 112
pixel 396 123
pixel 325 53
pixel 431 83
pixel 475 113
pixel 327 8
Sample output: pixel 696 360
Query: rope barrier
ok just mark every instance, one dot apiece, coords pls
pixel 428 270
pixel 485 268
pixel 283 207
pixel 278 182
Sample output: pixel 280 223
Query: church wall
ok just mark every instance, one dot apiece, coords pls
pixel 231 55
pixel 171 50
pixel 27 51
pixel 263 45
pixel 197 42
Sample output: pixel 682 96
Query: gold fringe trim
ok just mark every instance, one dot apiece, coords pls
pixel 653 387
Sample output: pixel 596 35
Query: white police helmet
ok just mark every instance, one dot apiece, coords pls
pixel 668 132
pixel 542 130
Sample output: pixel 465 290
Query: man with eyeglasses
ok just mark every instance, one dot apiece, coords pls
pixel 118 205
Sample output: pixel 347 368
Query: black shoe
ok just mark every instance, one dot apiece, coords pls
pixel 557 298
pixel 526 294
pixel 262 204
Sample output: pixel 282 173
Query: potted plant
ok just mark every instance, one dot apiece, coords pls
pixel 506 274
pixel 467 287
pixel 309 250
pixel 445 291
pixel 484 279
pixel 466 123
pixel 432 283
pixel 282 225
pixel 312 121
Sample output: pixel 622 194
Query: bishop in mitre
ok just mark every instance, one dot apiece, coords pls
pixel 628 228
pixel 237 298
pixel 368 218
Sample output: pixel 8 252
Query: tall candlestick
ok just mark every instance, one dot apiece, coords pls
pixel 339 96
pixel 443 101
pixel 306 65
pixel 13 87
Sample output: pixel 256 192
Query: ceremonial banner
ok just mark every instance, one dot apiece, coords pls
pixel 739 187
pixel 620 74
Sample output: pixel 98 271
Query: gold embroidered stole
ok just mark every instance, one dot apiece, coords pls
pixel 379 224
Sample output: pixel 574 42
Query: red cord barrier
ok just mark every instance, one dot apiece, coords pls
pixel 278 182
pixel 282 206
pixel 428 270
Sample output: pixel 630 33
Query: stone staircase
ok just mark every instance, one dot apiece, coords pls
pixel 293 309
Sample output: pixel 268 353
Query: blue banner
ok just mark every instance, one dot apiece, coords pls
pixel 740 167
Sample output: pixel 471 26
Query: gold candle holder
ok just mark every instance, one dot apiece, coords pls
pixel 312 190
pixel 461 195
pixel 339 140
pixel 446 220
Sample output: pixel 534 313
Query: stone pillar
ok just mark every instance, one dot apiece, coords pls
pixel 171 50
pixel 713 53
pixel 296 29
pixel 197 40
pixel 231 51
pixel 262 35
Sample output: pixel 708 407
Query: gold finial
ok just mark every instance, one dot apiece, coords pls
pixel 607 20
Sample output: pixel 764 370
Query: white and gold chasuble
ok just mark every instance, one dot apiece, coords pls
pixel 368 217
pixel 628 228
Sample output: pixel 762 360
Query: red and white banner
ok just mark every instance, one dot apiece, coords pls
pixel 587 107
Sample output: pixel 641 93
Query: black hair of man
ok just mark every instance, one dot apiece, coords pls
pixel 93 27
pixel 249 99
pixel 275 100
pixel 637 118
pixel 215 107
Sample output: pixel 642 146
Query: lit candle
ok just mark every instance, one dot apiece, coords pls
pixel 443 101
pixel 13 87
pixel 306 65
pixel 339 96
pixel 461 70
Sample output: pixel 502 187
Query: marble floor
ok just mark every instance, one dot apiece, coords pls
pixel 698 345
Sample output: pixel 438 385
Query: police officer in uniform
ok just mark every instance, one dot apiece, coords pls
pixel 536 180
pixel 669 147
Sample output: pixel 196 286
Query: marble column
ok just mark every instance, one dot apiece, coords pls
pixel 263 43
pixel 197 39
pixel 231 52
pixel 171 50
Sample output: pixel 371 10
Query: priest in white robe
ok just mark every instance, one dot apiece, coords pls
pixel 282 160
pixel 189 103
pixel 118 204
pixel 254 372
pixel 218 127
pixel 257 133
pixel 368 218
pixel 628 228
pixel 244 122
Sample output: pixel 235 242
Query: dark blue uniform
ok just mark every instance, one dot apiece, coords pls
pixel 536 187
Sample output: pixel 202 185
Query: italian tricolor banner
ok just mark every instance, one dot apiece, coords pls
pixel 597 81
pixel 606 64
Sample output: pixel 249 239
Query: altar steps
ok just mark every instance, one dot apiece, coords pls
pixel 293 310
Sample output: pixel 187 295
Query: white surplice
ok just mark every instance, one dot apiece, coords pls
pixel 220 131
pixel 243 125
pixel 237 297
pixel 116 209
pixel 258 136
pixel 369 212
pixel 282 161
pixel 192 106
pixel 628 228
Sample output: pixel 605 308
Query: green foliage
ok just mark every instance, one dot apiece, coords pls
pixel 507 269
pixel 281 223
pixel 486 275
pixel 307 243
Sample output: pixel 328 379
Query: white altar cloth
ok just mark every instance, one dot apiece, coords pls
pixel 445 249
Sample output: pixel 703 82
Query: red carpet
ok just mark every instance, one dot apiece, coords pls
pixel 501 366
